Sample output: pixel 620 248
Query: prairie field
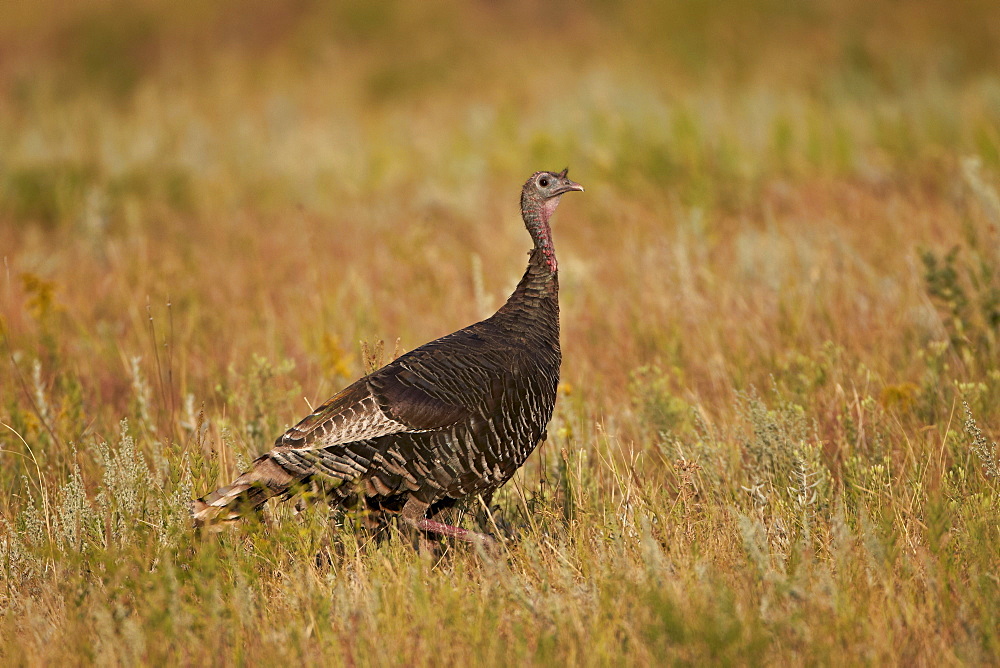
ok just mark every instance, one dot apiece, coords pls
pixel 780 309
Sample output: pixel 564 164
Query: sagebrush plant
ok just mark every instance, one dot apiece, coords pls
pixel 202 209
pixel 983 449
pixel 965 281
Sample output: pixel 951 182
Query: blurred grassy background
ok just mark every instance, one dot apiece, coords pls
pixel 205 207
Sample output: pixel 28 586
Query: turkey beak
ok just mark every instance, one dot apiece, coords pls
pixel 568 186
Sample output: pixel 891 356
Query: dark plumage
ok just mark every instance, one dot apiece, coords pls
pixel 455 417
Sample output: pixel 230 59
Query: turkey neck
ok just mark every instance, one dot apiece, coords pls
pixel 533 309
pixel 536 214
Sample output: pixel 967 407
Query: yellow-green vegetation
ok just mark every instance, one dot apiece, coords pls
pixel 779 294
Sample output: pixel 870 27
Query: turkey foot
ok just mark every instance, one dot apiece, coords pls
pixel 414 514
pixel 430 526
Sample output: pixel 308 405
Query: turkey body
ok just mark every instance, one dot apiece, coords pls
pixel 453 418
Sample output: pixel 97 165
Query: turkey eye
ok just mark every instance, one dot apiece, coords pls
pixel 543 183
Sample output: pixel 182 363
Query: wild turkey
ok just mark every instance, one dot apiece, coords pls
pixel 453 418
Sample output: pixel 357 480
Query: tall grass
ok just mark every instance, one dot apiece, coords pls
pixel 774 437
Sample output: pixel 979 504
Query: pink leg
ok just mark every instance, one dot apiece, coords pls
pixel 452 532
pixel 414 514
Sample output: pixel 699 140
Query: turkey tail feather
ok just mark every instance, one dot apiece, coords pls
pixel 266 478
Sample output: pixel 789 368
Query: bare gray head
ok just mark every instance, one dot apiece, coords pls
pixel 539 199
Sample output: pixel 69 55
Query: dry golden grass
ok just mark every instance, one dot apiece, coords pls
pixel 777 292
